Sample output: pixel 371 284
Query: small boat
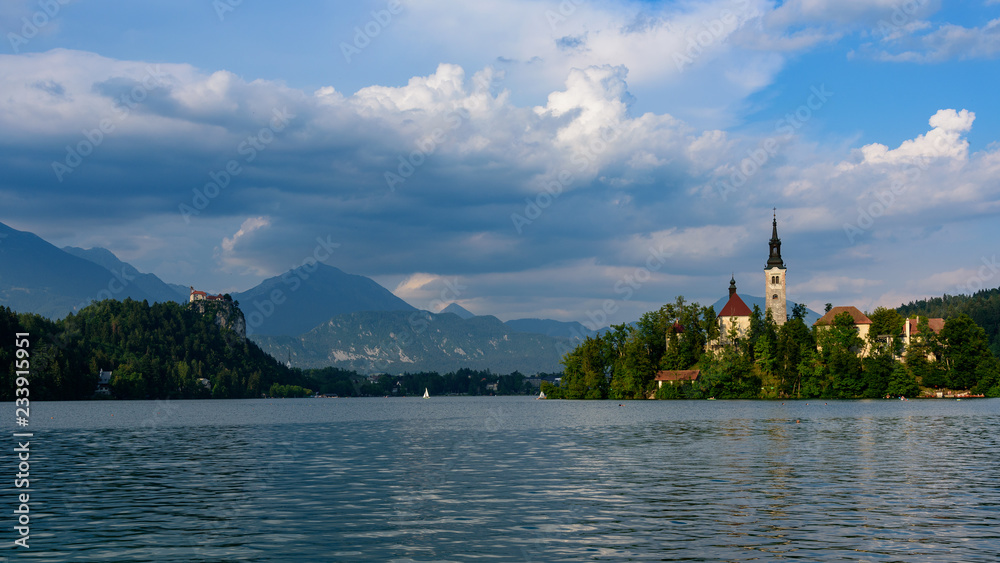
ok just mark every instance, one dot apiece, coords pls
pixel 541 395
pixel 426 394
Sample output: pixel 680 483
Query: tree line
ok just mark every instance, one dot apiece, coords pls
pixel 153 351
pixel 982 307
pixel 772 362
pixel 169 350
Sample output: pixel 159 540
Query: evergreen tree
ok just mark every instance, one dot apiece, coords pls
pixel 840 347
pixel 586 371
pixel 902 382
pixel 964 348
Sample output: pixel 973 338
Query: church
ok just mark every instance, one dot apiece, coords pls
pixel 734 317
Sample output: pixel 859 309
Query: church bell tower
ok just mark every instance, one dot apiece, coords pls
pixel 774 277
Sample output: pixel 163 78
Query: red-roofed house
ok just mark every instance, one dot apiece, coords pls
pixel 910 330
pixel 735 315
pixel 676 376
pixel 861 321
pixel 199 295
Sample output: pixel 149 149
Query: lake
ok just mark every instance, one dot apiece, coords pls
pixel 511 479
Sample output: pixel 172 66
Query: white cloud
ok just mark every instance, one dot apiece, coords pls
pixel 324 174
pixel 233 256
pixel 943 42
pixel 943 140
pixel 248 226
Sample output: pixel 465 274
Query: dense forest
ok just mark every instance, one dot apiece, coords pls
pixel 982 307
pixel 154 351
pixel 772 362
pixel 167 350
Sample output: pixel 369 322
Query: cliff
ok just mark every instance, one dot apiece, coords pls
pixel 227 314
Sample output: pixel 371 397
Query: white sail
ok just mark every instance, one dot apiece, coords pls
pixel 426 394
pixel 541 395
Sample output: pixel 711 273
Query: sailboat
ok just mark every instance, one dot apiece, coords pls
pixel 541 395
pixel 426 394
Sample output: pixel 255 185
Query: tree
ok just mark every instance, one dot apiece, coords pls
pixel 879 368
pixel 902 383
pixel 988 376
pixel 840 346
pixel 885 331
pixel 728 375
pixel 633 372
pixel 794 342
pixel 922 350
pixel 586 370
pixel 686 334
pixel 799 311
pixel 126 383
pixel 964 348
pixel 814 376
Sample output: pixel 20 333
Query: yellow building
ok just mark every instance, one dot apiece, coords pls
pixel 861 321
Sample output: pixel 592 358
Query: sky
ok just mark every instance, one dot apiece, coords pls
pixel 579 160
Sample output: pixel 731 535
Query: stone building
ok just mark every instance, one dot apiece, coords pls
pixel 734 318
pixel 774 278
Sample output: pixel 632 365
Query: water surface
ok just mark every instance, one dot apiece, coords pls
pixel 513 479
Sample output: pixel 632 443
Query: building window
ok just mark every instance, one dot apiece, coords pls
pixel 775 296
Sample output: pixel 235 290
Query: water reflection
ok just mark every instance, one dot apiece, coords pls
pixel 517 479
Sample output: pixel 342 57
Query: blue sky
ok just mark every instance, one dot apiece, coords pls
pixel 559 160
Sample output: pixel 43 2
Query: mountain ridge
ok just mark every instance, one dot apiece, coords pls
pixel 415 341
pixel 159 290
pixel 38 277
pixel 301 299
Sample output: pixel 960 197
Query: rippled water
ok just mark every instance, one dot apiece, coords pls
pixel 512 479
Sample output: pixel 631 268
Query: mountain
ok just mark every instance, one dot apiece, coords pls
pixel 750 300
pixel 161 292
pixel 300 299
pixel 459 310
pixel 414 341
pixel 549 327
pixel 37 277
pixel 182 290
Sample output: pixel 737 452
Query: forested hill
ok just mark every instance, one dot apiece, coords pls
pixel 154 351
pixel 983 307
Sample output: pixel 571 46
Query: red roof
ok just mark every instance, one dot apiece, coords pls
pixel 934 324
pixel 678 375
pixel 856 314
pixel 735 307
pixel 196 292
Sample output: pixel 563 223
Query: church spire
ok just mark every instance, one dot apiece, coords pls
pixel 732 286
pixel 774 277
pixel 774 257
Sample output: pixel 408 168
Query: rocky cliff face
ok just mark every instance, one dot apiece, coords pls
pixel 227 315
